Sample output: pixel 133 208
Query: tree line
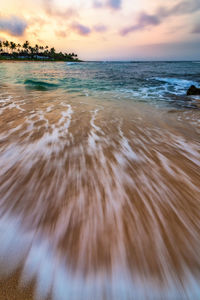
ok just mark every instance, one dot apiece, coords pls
pixel 11 50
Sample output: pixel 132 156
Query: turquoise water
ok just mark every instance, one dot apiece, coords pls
pixel 157 82
pixel 99 180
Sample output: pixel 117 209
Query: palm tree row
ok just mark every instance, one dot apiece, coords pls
pixel 12 50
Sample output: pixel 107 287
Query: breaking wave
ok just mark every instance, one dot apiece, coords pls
pixel 39 85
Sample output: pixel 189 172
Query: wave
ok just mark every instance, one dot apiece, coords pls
pixel 39 85
pixel 176 81
pixel 71 63
pixel 174 86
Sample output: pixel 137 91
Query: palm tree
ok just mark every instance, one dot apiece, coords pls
pixel 52 51
pixel 32 50
pixel 12 46
pixel 6 45
pixel 1 46
pixel 25 46
pixel 36 49
pixel 41 48
pixel 18 47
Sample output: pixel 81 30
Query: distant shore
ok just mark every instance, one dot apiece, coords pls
pixel 10 51
pixel 38 60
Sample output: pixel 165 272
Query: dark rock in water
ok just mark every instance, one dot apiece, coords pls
pixel 193 90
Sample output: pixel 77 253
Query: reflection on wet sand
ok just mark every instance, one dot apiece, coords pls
pixel 99 200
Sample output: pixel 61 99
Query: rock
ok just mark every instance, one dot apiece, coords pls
pixel 193 90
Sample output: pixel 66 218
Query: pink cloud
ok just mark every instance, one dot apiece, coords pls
pixel 81 29
pixel 145 19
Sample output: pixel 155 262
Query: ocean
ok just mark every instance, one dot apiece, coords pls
pixel 99 180
pixel 152 82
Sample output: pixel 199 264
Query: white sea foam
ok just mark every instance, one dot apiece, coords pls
pixel 176 85
pixel 53 276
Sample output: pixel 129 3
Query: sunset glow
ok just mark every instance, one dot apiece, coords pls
pixel 107 29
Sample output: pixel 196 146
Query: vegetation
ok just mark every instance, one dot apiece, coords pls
pixel 13 51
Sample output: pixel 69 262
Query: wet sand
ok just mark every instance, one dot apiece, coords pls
pixel 10 289
pixel 98 198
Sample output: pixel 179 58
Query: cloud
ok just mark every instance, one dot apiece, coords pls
pixel 52 10
pixel 37 21
pixel 145 19
pixel 41 41
pixel 98 4
pixel 81 29
pixel 196 29
pixel 181 8
pixel 100 28
pixel 13 25
pixel 114 4
pixel 61 33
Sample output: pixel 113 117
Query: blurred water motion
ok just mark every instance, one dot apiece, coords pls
pixel 99 199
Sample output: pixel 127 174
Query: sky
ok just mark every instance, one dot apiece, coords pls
pixel 107 29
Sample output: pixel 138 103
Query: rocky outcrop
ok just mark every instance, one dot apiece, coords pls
pixel 193 90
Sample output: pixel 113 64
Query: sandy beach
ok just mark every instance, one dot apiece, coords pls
pixel 90 188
